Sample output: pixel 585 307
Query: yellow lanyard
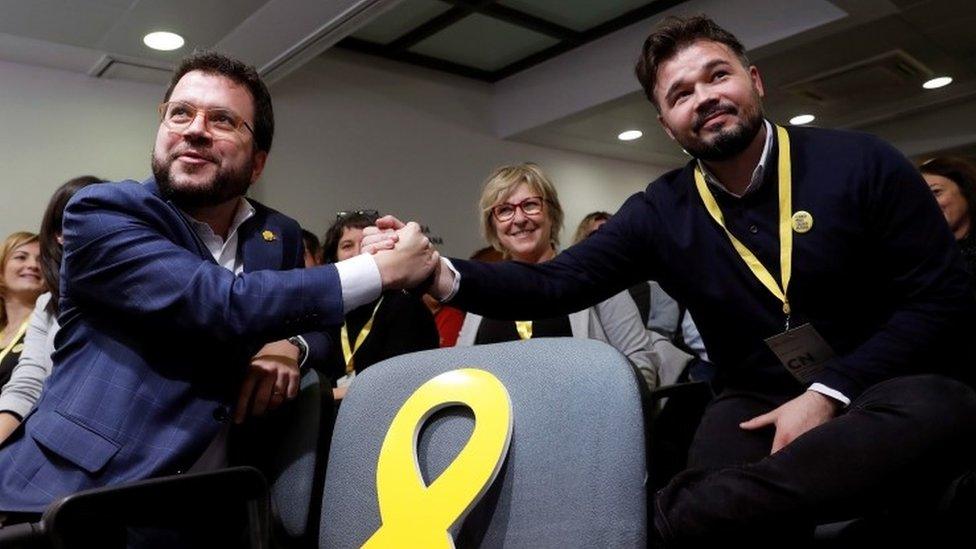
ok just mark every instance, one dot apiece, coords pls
pixel 785 225
pixel 524 328
pixel 347 352
pixel 13 342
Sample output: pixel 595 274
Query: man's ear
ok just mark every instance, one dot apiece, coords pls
pixel 757 80
pixel 260 158
pixel 667 130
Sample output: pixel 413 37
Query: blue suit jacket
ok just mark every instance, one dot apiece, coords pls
pixel 155 338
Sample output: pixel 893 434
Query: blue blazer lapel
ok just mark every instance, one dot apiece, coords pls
pixel 260 244
pixel 189 234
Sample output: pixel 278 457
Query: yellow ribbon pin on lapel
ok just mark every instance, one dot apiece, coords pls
pixel 268 236
pixel 414 514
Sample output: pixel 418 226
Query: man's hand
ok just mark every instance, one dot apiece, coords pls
pixel 382 236
pixel 272 378
pixel 809 410
pixel 411 260
pixel 385 235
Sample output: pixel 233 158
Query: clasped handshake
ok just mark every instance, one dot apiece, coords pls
pixel 405 257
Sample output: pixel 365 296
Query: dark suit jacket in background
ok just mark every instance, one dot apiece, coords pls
pixel 155 338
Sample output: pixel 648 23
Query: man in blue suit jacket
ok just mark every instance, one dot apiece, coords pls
pixel 179 296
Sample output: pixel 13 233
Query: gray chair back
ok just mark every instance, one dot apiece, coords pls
pixel 290 446
pixel 574 475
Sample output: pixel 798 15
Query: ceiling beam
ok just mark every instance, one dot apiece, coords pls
pixel 521 19
pixel 285 34
pixel 638 14
pixel 436 25
pixel 406 56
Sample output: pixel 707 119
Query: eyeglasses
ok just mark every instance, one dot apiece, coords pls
pixel 366 213
pixel 178 115
pixel 529 206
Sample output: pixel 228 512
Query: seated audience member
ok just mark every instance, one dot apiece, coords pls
pixel 20 285
pixel 521 218
pixel 22 391
pixel 674 338
pixel 953 182
pixel 394 324
pixel 447 318
pixel 182 303
pixel 659 311
pixel 312 249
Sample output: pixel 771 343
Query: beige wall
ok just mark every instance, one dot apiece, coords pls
pixel 57 125
pixel 351 132
pixel 358 132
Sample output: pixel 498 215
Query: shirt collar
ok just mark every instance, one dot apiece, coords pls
pixel 757 174
pixel 245 210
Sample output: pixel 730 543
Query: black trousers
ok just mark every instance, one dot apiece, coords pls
pixel 901 442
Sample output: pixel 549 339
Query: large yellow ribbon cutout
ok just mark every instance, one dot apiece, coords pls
pixel 785 225
pixel 414 514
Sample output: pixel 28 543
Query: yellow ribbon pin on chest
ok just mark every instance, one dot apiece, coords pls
pixel 414 514
pixel 268 236
pixel 802 221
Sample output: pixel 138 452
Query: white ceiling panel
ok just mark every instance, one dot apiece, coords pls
pixel 73 22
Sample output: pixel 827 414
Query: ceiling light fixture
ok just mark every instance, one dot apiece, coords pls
pixel 802 119
pixel 163 41
pixel 937 82
pixel 630 135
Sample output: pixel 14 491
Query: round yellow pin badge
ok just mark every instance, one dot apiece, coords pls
pixel 802 221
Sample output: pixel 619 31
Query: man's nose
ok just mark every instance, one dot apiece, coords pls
pixel 197 127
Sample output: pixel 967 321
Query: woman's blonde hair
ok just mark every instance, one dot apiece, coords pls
pixel 583 229
pixel 502 183
pixel 12 242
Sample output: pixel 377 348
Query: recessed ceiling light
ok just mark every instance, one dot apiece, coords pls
pixel 630 135
pixel 937 82
pixel 162 40
pixel 802 119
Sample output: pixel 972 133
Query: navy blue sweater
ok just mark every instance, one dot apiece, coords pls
pixel 879 275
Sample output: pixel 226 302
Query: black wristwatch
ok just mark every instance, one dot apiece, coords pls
pixel 302 348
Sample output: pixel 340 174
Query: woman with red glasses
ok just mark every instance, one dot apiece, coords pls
pixel 521 218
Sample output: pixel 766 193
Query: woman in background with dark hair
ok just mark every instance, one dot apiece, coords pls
pixel 397 323
pixel 953 182
pixel 34 366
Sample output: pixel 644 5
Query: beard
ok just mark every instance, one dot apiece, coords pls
pixel 226 184
pixel 729 141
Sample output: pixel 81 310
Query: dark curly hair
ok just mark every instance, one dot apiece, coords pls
pixel 353 220
pixel 671 36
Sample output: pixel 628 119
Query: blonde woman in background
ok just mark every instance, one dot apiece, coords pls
pixel 21 284
pixel 521 217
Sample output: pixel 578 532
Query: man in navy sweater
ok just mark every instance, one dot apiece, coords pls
pixel 825 284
